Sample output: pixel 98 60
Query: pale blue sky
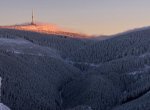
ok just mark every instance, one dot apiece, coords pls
pixel 87 16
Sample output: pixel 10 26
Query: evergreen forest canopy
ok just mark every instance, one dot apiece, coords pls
pixel 56 72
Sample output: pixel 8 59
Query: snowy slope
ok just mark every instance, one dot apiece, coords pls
pixel 3 107
pixel 20 46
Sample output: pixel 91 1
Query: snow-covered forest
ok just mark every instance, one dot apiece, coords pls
pixel 57 72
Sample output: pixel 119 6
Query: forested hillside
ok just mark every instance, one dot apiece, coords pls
pixel 64 44
pixel 56 72
pixel 128 44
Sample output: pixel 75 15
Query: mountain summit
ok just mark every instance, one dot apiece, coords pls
pixel 45 28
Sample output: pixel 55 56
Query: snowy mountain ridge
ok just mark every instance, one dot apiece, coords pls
pixel 46 29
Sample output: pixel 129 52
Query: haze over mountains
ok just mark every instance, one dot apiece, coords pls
pixel 46 68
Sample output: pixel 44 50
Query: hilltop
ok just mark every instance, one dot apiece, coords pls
pixel 46 28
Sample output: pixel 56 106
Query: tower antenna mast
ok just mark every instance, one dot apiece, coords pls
pixel 32 22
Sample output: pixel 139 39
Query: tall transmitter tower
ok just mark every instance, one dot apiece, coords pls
pixel 32 22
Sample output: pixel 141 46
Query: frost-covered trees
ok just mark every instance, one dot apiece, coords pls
pixel 93 90
pixel 65 45
pixel 60 73
pixel 132 44
pixel 2 106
